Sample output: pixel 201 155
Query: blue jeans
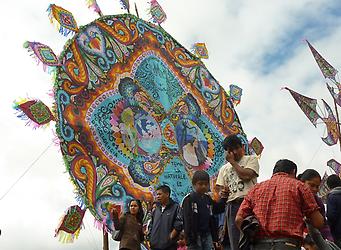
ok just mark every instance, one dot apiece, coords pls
pixel 277 244
pixel 233 231
pixel 204 242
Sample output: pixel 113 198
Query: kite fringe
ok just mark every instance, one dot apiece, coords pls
pixel 52 93
pixel 101 225
pixel 92 5
pixel 67 238
pixel 78 198
pixel 62 30
pixel 56 140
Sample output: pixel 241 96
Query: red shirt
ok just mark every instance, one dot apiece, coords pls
pixel 280 205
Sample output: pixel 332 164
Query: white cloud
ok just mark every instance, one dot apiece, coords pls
pixel 240 35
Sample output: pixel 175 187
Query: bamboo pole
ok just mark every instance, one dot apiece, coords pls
pixel 105 240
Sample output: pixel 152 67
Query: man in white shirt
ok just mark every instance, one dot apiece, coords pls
pixel 238 176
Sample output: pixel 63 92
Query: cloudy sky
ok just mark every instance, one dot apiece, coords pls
pixel 257 45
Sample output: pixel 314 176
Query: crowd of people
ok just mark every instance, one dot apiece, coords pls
pixel 283 212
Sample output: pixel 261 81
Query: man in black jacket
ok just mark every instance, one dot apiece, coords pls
pixel 166 222
pixel 334 207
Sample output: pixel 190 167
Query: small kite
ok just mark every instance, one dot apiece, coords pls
pixel 256 146
pixel 43 54
pixel 157 13
pixel 336 166
pixel 62 19
pixel 332 127
pixel 235 94
pixel 327 70
pixel 324 189
pixel 307 105
pixel 70 224
pixel 200 50
pixel 34 112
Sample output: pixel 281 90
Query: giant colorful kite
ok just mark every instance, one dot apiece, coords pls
pixel 133 109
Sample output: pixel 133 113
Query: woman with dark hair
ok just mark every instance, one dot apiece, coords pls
pixel 313 180
pixel 130 226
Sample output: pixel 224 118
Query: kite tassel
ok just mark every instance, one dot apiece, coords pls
pixel 100 225
pixel 56 140
pixel 79 199
pixel 67 238
pixel 92 4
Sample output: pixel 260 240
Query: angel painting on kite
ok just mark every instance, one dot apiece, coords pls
pixel 192 143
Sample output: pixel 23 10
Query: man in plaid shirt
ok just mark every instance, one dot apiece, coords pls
pixel 280 205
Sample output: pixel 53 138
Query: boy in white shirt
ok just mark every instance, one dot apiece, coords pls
pixel 238 176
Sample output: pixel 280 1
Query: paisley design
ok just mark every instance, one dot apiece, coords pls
pixel 135 110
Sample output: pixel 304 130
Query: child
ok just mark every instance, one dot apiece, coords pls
pixel 181 242
pixel 315 241
pixel 200 227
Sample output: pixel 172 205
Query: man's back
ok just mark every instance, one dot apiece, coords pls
pixel 280 205
pixel 333 213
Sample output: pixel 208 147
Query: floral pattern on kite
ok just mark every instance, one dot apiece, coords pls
pixel 135 110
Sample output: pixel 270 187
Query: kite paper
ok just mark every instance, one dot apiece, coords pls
pixel 336 166
pixel 327 70
pixel 62 19
pixel 157 13
pixel 136 110
pixel 235 94
pixel 307 105
pixel 92 4
pixel 70 225
pixel 332 128
pixel 336 96
pixel 200 50
pixel 42 53
pixel 35 112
